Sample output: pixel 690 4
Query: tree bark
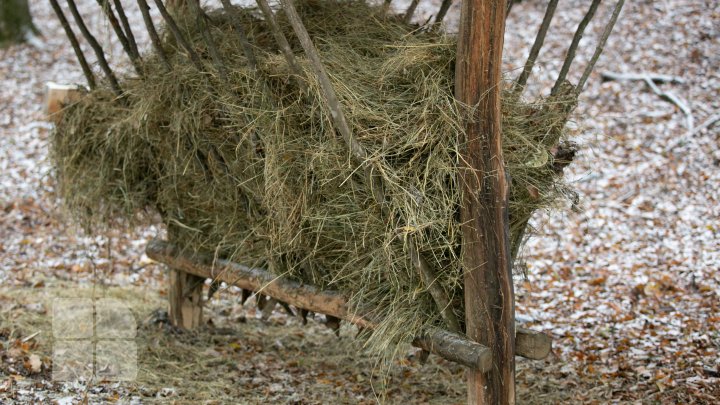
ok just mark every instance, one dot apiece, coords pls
pixel 489 300
pixel 15 22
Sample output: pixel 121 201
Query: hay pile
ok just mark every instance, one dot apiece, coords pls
pixel 251 168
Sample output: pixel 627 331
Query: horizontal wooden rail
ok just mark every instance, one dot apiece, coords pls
pixel 448 345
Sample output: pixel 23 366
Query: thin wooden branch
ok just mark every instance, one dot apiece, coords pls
pixel 244 42
pixel 537 45
pixel 154 37
pixel 601 44
pixel 89 76
pixel 410 11
pixel 280 38
pixel 429 279
pixel 95 45
pixel 570 56
pixel 115 24
pixel 202 22
pixel 488 283
pixel 311 298
pixel 126 27
pixel 173 27
pixel 656 78
pixel 336 112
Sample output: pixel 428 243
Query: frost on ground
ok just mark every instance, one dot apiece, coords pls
pixel 627 284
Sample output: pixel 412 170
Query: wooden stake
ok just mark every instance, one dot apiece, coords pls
pixel 126 26
pixel 535 50
pixel 570 56
pixel 154 37
pixel 185 293
pixel 173 27
pixel 58 96
pixel 280 37
pixel 89 76
pixel 410 11
pixel 95 45
pixel 444 7
pixel 601 44
pixel 202 23
pixel 115 24
pixel 237 24
pixel 489 300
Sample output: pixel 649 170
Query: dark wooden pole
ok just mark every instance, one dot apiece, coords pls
pixel 489 300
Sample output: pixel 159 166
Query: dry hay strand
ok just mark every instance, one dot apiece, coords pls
pixel 251 169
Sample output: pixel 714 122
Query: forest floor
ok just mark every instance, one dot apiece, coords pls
pixel 628 283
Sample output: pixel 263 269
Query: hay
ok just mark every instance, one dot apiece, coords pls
pixel 252 170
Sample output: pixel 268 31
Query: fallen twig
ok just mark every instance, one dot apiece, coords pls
pixel 706 124
pixel 673 99
pixel 656 78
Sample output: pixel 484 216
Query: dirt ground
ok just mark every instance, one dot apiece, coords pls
pixel 627 284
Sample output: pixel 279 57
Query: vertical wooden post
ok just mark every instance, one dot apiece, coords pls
pixel 489 300
pixel 186 299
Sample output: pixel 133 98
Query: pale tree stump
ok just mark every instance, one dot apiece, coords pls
pixel 59 96
pixel 186 299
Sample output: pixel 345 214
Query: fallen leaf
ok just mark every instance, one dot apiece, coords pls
pixel 34 364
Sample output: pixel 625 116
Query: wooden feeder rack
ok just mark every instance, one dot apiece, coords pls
pixel 490 340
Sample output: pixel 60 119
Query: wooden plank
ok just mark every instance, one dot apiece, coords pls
pixel 489 300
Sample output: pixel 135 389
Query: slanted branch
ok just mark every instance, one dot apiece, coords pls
pixel 446 344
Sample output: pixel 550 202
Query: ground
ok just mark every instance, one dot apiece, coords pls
pixel 626 283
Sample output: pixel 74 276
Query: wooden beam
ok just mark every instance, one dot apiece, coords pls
pixel 301 295
pixel 456 348
pixel 488 285
pixel 449 345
